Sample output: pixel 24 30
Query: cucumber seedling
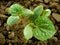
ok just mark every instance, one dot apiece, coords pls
pixel 17 11
pixel 40 26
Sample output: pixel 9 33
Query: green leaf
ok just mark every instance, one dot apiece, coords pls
pixel 46 12
pixel 27 13
pixel 15 9
pixel 45 29
pixel 28 33
pixel 37 11
pixel 12 20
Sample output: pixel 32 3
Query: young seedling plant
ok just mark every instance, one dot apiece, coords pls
pixel 40 26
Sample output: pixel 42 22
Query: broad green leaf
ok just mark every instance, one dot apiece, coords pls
pixel 12 20
pixel 45 29
pixel 28 33
pixel 15 9
pixel 46 12
pixel 27 13
pixel 37 11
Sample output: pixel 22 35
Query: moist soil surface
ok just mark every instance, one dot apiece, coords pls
pixel 14 35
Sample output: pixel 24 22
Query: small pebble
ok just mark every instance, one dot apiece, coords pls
pixel 0 23
pixel 46 1
pixel 3 16
pixel 53 5
pixel 11 35
pixel 6 11
pixel 56 27
pixel 9 3
pixel 56 17
pixel 2 39
pixel 10 44
pixel 39 1
pixel 55 39
pixel 58 8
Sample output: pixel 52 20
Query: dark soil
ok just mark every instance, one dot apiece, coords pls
pixel 14 35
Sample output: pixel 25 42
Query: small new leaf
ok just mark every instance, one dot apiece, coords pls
pixel 27 13
pixel 46 12
pixel 37 11
pixel 15 9
pixel 28 33
pixel 45 29
pixel 12 20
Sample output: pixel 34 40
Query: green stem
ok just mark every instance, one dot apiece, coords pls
pixel 33 25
